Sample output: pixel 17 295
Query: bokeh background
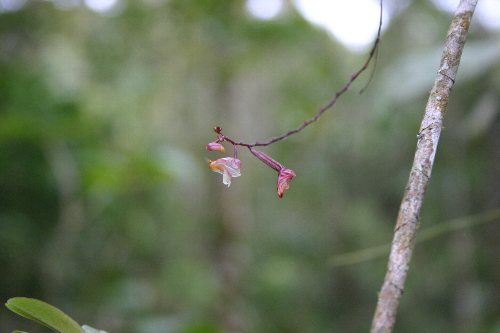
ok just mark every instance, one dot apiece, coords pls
pixel 109 212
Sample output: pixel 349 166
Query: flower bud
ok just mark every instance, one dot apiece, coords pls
pixel 215 146
pixel 267 159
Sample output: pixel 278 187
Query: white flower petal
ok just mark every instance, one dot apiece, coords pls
pixel 234 172
pixel 226 179
pixel 228 167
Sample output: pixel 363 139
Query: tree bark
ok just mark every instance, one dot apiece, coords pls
pixel 427 141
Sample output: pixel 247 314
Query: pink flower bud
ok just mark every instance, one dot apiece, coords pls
pixel 228 167
pixel 267 159
pixel 284 178
pixel 215 146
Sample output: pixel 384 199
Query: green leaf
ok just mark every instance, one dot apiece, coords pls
pixel 44 314
pixel 19 331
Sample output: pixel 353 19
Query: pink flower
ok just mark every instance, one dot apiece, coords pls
pixel 215 146
pixel 228 167
pixel 284 177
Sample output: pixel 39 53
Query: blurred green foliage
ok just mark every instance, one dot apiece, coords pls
pixel 108 211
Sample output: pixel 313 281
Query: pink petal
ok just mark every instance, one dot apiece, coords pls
pixel 228 167
pixel 284 178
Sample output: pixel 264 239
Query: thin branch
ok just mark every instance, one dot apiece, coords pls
pixel 428 138
pixel 329 105
pixel 380 251
pixel 372 74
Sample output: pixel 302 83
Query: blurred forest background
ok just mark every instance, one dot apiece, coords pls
pixel 109 211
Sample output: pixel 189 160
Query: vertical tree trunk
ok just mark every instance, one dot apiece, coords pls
pixel 427 141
